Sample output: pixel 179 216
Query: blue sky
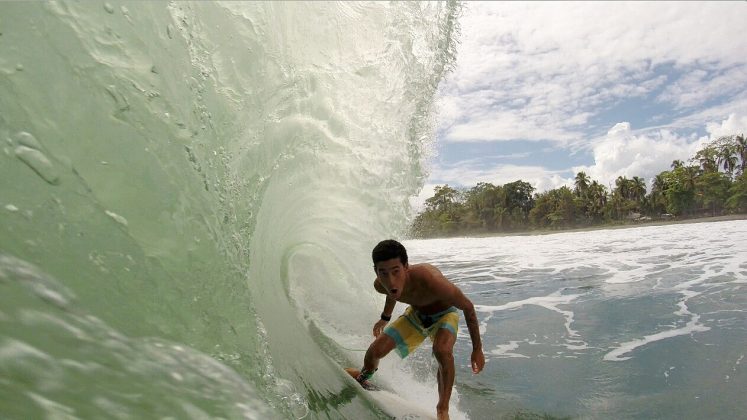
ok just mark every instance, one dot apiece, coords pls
pixel 543 90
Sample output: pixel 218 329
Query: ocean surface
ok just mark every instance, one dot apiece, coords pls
pixel 639 323
pixel 189 194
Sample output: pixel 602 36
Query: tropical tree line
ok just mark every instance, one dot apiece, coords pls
pixel 711 183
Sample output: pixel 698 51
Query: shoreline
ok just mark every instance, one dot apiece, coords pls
pixel 628 225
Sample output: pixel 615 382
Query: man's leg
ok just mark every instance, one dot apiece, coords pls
pixel 443 350
pixel 381 346
pixel 376 351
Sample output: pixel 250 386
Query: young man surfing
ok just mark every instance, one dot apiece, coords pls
pixel 433 301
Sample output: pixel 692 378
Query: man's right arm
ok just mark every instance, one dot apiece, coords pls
pixel 388 307
pixel 387 312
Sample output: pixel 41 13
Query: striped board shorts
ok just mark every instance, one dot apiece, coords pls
pixel 410 329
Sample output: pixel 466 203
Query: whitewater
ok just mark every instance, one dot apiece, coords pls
pixel 189 195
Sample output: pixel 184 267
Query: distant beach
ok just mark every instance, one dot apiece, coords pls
pixel 627 225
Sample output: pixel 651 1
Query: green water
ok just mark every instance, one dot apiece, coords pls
pixel 184 187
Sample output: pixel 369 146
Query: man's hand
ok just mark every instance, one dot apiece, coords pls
pixel 478 361
pixel 379 327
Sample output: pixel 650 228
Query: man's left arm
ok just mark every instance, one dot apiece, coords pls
pixel 470 316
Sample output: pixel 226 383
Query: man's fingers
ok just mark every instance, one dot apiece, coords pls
pixel 477 365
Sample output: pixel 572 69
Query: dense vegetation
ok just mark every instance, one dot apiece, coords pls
pixel 711 183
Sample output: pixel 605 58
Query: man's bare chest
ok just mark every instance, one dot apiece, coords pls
pixel 422 299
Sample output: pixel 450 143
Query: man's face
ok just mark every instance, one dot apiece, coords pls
pixel 391 274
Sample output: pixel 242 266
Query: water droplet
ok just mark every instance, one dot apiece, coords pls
pixel 25 139
pixel 37 161
pixel 169 31
pixel 11 208
pixel 153 69
pixel 109 8
pixel 19 67
pixel 117 218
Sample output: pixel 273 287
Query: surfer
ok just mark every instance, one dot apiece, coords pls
pixel 432 313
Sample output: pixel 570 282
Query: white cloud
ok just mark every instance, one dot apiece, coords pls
pixel 506 126
pixel 698 119
pixel 623 153
pixel 462 174
pixel 418 202
pixel 699 86
pixel 732 125
pixel 543 70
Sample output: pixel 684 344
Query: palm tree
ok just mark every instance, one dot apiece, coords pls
pixel 741 146
pixel 443 199
pixel 597 196
pixel 622 186
pixel 582 183
pixel 677 164
pixel 706 157
pixel 638 188
pixel 660 183
pixel 658 189
pixel 727 157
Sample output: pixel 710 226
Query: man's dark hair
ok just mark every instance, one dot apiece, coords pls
pixel 388 249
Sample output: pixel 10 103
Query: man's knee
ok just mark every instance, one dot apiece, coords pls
pixel 444 353
pixel 381 346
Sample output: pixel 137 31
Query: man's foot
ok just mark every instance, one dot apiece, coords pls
pixel 366 384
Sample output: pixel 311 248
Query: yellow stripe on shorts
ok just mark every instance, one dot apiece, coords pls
pixel 408 331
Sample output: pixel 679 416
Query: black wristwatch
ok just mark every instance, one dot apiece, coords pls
pixel 385 318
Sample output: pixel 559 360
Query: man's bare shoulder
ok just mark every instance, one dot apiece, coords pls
pixel 427 272
pixel 425 267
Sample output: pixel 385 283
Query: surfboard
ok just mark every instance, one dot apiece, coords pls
pixel 393 404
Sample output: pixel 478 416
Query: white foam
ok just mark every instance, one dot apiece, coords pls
pixel 504 350
pixel 410 398
pixel 617 355
pixel 550 302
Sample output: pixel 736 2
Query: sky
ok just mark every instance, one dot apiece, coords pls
pixel 542 91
